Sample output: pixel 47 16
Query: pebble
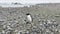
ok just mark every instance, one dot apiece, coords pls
pixel 3 31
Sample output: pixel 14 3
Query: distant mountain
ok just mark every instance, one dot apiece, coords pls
pixel 48 4
pixel 16 3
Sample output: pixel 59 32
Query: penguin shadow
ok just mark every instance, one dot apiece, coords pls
pixel 27 22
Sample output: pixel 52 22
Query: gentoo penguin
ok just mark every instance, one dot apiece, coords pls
pixel 29 17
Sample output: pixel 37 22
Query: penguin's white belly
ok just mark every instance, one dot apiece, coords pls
pixel 29 18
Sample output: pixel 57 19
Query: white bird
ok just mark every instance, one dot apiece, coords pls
pixel 29 17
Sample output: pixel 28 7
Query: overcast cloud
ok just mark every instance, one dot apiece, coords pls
pixel 30 1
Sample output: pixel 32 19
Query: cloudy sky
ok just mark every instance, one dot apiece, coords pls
pixel 31 1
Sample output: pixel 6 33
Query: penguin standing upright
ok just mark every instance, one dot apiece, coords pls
pixel 29 17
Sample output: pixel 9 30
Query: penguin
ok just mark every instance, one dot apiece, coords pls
pixel 29 17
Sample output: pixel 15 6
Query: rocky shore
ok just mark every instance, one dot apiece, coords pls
pixel 46 20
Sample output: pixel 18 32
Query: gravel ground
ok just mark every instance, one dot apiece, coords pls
pixel 46 20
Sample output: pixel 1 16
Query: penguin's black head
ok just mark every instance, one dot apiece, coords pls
pixel 27 14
